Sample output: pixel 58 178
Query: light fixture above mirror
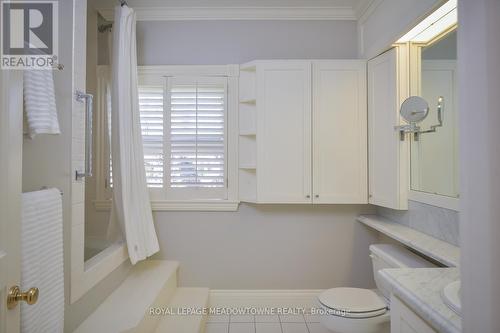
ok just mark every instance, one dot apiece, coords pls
pixel 433 25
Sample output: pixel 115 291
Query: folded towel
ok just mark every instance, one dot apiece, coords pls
pixel 40 103
pixel 42 261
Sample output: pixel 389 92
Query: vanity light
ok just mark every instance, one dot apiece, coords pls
pixel 434 24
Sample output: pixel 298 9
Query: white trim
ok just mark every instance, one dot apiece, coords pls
pixel 435 200
pixel 169 13
pixel 159 206
pixel 305 298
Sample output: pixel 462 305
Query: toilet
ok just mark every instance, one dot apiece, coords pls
pixel 357 310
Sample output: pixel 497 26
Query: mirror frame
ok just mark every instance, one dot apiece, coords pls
pixel 415 52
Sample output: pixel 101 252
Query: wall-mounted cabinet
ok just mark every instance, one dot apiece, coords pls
pixel 303 132
pixel 388 155
pixel 340 172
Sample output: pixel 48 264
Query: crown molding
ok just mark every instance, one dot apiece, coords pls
pixel 365 9
pixel 237 13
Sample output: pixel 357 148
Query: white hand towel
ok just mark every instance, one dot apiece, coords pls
pixel 42 261
pixel 40 103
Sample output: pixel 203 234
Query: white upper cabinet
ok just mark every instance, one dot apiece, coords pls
pixel 288 109
pixel 387 155
pixel 284 131
pixel 339 132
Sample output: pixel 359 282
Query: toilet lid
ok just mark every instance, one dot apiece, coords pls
pixel 353 301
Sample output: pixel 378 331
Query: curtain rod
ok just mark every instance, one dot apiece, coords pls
pixel 108 26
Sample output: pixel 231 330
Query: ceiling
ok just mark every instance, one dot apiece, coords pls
pixel 239 9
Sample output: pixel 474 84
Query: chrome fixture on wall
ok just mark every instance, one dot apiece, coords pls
pixel 414 110
pixel 88 99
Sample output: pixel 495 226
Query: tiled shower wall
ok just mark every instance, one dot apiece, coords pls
pixel 435 221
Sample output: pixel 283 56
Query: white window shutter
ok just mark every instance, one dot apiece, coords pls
pixel 197 138
pixel 151 114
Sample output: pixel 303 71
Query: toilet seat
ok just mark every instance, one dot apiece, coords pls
pixel 353 302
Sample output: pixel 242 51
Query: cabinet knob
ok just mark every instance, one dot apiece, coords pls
pixel 316 196
pixel 308 196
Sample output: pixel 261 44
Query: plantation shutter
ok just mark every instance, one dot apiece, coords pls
pixel 151 115
pixel 197 138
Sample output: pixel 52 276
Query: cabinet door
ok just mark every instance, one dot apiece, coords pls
pixel 339 132
pixel 404 320
pixel 284 132
pixel 387 155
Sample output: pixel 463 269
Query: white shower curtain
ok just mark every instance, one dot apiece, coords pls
pixel 131 209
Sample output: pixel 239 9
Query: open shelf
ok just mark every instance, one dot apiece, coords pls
pixel 248 119
pixel 248 133
pixel 248 185
pixel 248 92
pixel 248 150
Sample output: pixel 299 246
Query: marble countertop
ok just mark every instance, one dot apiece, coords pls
pixel 441 251
pixel 420 289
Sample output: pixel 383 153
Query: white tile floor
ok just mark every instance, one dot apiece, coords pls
pixel 265 324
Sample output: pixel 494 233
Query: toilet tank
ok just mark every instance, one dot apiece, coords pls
pixel 393 256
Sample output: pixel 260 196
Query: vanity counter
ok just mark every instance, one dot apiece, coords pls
pixel 441 251
pixel 420 289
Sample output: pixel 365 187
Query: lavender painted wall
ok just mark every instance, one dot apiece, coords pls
pixel 236 42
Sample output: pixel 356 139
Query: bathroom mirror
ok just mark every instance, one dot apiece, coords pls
pixel 434 149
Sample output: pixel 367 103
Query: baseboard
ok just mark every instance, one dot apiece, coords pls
pixel 305 298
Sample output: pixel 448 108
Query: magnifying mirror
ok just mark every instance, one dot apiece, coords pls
pixel 414 109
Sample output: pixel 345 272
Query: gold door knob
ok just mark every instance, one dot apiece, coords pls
pixel 16 295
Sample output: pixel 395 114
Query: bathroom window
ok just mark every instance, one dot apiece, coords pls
pixel 184 137
pixel 189 161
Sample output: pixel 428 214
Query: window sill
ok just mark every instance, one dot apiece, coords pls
pixel 202 206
